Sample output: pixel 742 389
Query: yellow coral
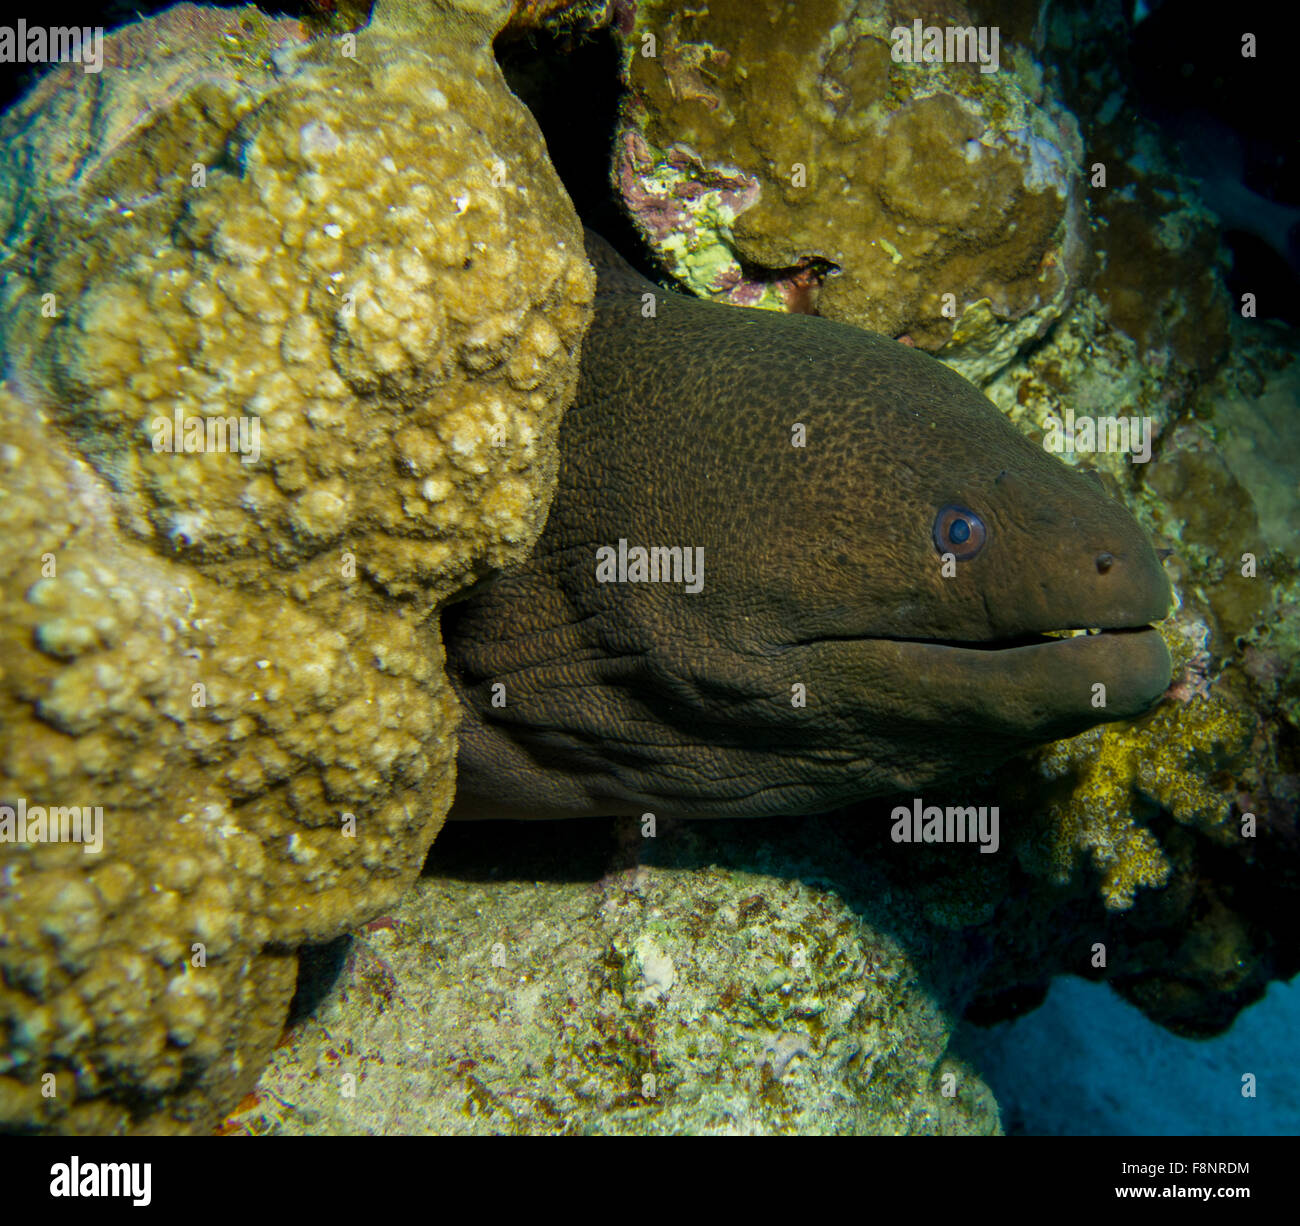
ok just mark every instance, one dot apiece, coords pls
pixel 1198 740
pixel 1096 818
pixel 233 652
pixel 1171 759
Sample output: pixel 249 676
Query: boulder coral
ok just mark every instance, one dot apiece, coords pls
pixel 289 324
pixel 780 155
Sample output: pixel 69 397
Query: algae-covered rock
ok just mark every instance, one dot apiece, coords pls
pixel 717 977
pixel 784 155
pixel 568 16
pixel 288 328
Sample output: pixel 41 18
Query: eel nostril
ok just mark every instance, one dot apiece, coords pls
pixel 1104 562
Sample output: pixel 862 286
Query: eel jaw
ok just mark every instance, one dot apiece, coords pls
pixel 1048 681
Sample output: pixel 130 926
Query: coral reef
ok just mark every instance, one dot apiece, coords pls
pixel 1160 857
pixel 707 980
pixel 1122 775
pixel 1185 823
pixel 288 328
pixel 569 16
pixel 1218 491
pixel 289 319
pixel 763 146
pixel 1154 811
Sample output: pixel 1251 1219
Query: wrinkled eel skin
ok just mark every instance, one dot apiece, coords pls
pixel 823 569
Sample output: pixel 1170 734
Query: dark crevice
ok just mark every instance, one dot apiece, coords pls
pixel 571 84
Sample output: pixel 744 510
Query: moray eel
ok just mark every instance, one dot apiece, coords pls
pixel 884 558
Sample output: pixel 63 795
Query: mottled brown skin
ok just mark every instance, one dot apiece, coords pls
pixel 820 569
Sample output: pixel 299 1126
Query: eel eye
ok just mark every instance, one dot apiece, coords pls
pixel 959 532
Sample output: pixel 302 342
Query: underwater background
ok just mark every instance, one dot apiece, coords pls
pixel 374 249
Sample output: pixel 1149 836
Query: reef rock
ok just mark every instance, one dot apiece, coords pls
pixel 288 327
pixel 781 155
pixel 567 16
pixel 718 977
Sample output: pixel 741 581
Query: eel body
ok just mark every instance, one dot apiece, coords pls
pixel 869 565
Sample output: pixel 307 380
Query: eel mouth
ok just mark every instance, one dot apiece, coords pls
pixel 1092 675
pixel 1045 638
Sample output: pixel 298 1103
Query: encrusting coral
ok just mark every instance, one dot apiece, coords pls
pixel 718 978
pixel 288 327
pixel 765 145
